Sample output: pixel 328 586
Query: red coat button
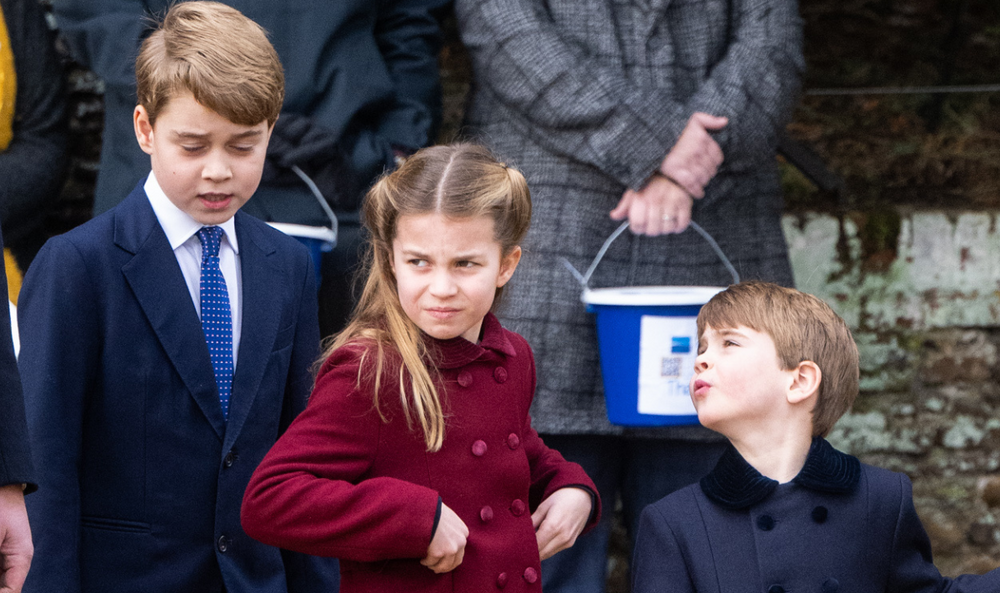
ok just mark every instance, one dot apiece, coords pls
pixel 517 508
pixel 479 448
pixel 465 378
pixel 530 574
pixel 500 374
pixel 486 514
pixel 501 580
pixel 513 441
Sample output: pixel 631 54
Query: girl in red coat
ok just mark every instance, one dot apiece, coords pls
pixel 415 462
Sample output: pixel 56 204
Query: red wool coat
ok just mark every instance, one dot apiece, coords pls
pixel 344 482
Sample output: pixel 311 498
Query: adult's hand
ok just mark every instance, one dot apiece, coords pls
pixel 448 544
pixel 559 520
pixel 15 539
pixel 661 207
pixel 694 159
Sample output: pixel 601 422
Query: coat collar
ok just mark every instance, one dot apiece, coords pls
pixel 458 352
pixel 735 484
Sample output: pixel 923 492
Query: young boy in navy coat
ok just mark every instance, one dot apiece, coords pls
pixel 783 511
pixel 166 344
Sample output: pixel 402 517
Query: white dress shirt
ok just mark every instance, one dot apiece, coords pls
pixel 182 233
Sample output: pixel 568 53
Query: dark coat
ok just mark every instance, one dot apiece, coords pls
pixel 15 454
pixel 363 71
pixel 343 482
pixel 142 479
pixel 587 98
pixel 839 526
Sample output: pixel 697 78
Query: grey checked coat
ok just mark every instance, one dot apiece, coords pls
pixel 586 97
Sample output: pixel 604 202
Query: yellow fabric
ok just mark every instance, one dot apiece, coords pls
pixel 14 276
pixel 8 86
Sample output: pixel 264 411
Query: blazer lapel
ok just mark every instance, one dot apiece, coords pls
pixel 261 316
pixel 158 284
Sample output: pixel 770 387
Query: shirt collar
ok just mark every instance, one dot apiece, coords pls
pixel 177 224
pixel 735 484
pixel 457 352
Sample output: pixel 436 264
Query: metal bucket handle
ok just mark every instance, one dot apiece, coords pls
pixel 584 279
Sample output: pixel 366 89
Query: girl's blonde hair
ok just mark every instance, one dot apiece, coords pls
pixel 459 181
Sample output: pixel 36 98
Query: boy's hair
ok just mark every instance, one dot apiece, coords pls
pixel 459 181
pixel 803 328
pixel 223 58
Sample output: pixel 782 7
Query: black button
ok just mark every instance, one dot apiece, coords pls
pixel 776 589
pixel 229 459
pixel 820 514
pixel 223 544
pixel 765 522
pixel 831 585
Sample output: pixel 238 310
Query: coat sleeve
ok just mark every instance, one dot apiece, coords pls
pixel 567 101
pixel 60 349
pixel 658 563
pixel 912 567
pixel 549 470
pixel 33 165
pixel 312 493
pixel 756 84
pixel 15 454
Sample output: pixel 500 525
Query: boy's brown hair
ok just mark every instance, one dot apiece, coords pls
pixel 223 58
pixel 803 328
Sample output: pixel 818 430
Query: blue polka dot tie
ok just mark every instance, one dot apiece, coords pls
pixel 216 318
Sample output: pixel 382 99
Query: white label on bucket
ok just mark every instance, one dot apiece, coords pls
pixel 667 349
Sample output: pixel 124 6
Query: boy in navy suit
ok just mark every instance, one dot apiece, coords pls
pixel 166 344
pixel 783 511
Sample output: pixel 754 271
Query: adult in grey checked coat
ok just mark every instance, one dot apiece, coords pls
pixel 589 98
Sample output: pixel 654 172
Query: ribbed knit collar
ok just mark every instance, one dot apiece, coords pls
pixel 735 484
pixel 457 352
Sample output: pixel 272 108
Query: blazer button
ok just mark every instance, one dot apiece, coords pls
pixel 500 374
pixel 479 448
pixel 776 589
pixel 820 514
pixel 766 523
pixel 517 508
pixel 465 378
pixel 513 441
pixel 501 580
pixel 486 514
pixel 229 459
pixel 831 585
pixel 223 544
pixel 530 574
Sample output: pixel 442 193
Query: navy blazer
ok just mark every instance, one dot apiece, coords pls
pixel 141 478
pixel 15 458
pixel 839 526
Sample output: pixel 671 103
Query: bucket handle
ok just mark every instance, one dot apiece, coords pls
pixel 584 279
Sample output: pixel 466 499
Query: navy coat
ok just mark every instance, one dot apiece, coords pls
pixel 15 458
pixel 141 478
pixel 839 526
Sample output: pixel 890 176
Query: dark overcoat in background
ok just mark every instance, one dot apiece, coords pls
pixel 15 454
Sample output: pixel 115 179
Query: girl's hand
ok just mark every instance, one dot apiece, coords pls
pixel 560 519
pixel 448 545
pixel 659 208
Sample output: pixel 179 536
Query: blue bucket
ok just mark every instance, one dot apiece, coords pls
pixel 317 239
pixel 648 340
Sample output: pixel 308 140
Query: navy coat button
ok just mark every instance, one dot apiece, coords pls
pixel 530 574
pixel 776 589
pixel 223 544
pixel 501 580
pixel 765 522
pixel 831 585
pixel 486 514
pixel 479 448
pixel 500 374
pixel 465 378
pixel 517 508
pixel 229 459
pixel 513 441
pixel 820 514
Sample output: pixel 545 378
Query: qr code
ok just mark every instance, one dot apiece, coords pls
pixel 671 366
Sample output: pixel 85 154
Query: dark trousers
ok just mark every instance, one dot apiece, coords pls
pixel 640 471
